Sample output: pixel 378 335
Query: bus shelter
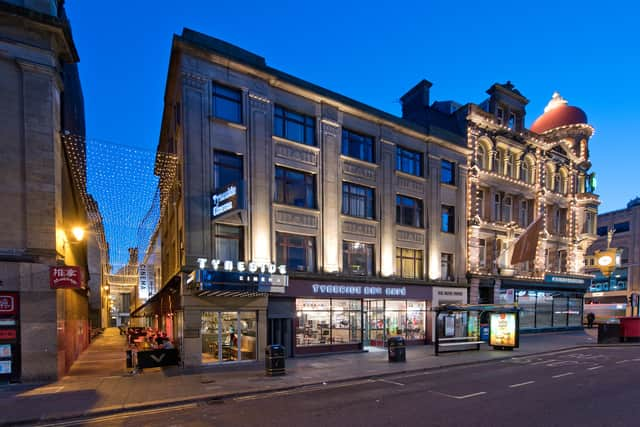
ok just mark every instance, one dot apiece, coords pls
pixel 458 327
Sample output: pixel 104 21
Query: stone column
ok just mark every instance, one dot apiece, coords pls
pixel 386 181
pixel 331 191
pixel 433 215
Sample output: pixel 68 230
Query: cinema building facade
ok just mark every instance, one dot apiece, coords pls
pixel 295 215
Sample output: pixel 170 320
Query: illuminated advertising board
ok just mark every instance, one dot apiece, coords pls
pixel 504 330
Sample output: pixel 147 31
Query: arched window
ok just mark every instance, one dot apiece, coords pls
pixel 481 157
pixel 510 160
pixel 549 177
pixel 564 181
pixel 498 164
pixel 526 170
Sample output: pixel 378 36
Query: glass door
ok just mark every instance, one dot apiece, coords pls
pixel 229 336
pixel 374 323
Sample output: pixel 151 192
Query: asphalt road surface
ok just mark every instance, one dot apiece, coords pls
pixel 587 387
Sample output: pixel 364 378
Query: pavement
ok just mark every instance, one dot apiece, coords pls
pixel 99 383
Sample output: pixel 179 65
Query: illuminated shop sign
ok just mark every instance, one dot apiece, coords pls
pixel 65 277
pixel 241 275
pixel 551 278
pixel 358 290
pixel 503 330
pixel 241 266
pixel 227 199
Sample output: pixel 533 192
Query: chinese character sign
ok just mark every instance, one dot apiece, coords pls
pixel 65 277
pixel 7 304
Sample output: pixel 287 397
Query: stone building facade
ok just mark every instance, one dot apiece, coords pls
pixel 45 328
pixel 365 209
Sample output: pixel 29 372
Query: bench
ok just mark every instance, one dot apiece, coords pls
pixel 457 342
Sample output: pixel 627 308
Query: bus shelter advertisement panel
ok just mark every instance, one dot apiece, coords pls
pixel 504 330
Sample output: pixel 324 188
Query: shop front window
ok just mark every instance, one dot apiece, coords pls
pixel 228 336
pixel 314 322
pixel 346 322
pixel 527 303
pixel 560 311
pixel 395 317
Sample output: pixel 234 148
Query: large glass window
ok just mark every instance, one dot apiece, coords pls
pixel 357 258
pixel 560 309
pixel 527 303
pixel 227 103
pixel 409 263
pixel 447 172
pixel 409 211
pixel 408 161
pixel 328 321
pixel 544 310
pixel 228 336
pixel 227 169
pixel 357 146
pixel 295 188
pixel 298 253
pixel 294 126
pixel 357 200
pixel 446 266
pixel 448 219
pixel 228 241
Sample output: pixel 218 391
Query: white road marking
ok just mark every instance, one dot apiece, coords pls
pixel 544 361
pixel 595 367
pixel 622 361
pixel 562 375
pixel 391 382
pixel 636 360
pixel 466 396
pixel 562 363
pixel 521 384
pixel 420 374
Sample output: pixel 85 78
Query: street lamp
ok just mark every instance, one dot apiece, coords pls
pixel 78 233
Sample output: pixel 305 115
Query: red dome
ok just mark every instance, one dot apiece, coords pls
pixel 561 115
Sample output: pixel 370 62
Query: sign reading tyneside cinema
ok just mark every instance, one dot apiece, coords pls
pixel 225 200
pixel 240 266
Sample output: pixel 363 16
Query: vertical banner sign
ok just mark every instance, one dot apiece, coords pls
pixel 143 282
pixel 65 277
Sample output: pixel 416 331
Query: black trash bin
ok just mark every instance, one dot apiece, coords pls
pixel 129 359
pixel 609 333
pixel 397 349
pixel 274 360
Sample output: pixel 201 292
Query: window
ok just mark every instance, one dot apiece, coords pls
pixel 482 253
pixel 507 208
pixel 590 223
pixel 408 161
pixel 357 146
pixel 357 200
pixel 357 258
pixel 562 260
pixel 227 103
pixel 481 157
pixel 556 183
pixel 409 211
pixel 560 221
pixel 409 263
pixel 298 253
pixel 526 171
pixel 295 188
pixel 500 115
pixel 510 157
pixel 480 203
pixel 524 213
pixel 497 206
pixel 227 169
pixel 328 321
pixel 498 165
pixel 228 242
pixel 447 172
pixel 602 230
pixel 512 121
pixel 446 266
pixel 294 126
pixel 621 227
pixel 448 219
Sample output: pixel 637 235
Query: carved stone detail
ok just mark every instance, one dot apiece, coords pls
pixel 194 80
pixel 410 236
pixel 359 171
pixel 297 154
pixel 411 185
pixel 359 228
pixel 296 218
pixel 258 102
pixel 330 129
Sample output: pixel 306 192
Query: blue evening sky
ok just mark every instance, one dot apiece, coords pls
pixel 375 51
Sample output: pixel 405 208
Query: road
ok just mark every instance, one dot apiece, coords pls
pixel 586 387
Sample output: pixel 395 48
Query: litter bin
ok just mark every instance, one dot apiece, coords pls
pixel 129 359
pixel 274 360
pixel 484 332
pixel 609 333
pixel 396 349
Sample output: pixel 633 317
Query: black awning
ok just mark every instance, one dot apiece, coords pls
pixel 229 293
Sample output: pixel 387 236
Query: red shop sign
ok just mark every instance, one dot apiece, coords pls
pixel 8 304
pixel 65 277
pixel 7 334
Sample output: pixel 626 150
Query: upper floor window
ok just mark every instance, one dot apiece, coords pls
pixel 408 161
pixel 562 260
pixel 294 126
pixel 507 208
pixel 357 146
pixel 446 266
pixel 510 161
pixel 621 227
pixel 481 157
pixel 524 213
pixel 482 253
pixel 511 124
pixel 498 165
pixel 409 211
pixel 526 171
pixel 590 223
pixel 447 172
pixel 298 253
pixel 602 230
pixel 357 258
pixel 448 219
pixel 480 204
pixel 500 115
pixel 358 200
pixel 560 221
pixel 227 103
pixel 295 188
pixel 227 169
pixel 228 242
pixel 409 263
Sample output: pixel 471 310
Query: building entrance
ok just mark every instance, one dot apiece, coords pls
pixel 374 333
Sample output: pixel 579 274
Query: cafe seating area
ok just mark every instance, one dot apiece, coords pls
pixel 149 348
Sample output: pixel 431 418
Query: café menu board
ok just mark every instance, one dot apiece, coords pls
pixel 503 330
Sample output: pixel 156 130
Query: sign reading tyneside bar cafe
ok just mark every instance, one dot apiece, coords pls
pixel 309 288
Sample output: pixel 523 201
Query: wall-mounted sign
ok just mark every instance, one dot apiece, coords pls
pixel 8 304
pixel 309 288
pixel 225 200
pixel 8 334
pixel 356 290
pixel 242 266
pixel 65 277
pixel 503 330
pixel 143 282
